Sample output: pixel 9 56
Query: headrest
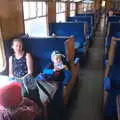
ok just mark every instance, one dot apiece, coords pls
pixel 10 95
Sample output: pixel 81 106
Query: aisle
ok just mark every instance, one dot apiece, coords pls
pixel 89 100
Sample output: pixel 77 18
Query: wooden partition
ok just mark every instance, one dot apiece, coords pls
pixel 111 55
pixel 11 18
pixel 70 51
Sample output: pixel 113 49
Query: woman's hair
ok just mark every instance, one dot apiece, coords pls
pixel 16 40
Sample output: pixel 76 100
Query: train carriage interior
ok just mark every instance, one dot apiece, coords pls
pixel 59 60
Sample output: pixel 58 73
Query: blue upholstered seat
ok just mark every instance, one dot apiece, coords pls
pixel 90 14
pixel 114 90
pixel 70 29
pixel 40 48
pixel 88 20
pixel 110 108
pixel 114 31
pixel 113 19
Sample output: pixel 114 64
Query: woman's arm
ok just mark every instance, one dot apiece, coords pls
pixel 29 63
pixel 10 67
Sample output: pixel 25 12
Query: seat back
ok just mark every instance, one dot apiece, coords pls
pixel 113 19
pixel 78 30
pixel 86 19
pixel 41 49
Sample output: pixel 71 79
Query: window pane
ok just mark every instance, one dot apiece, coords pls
pixel 36 27
pixel 72 13
pixel 39 7
pixel 62 6
pixel 57 7
pixel 32 9
pixel 72 6
pixel 26 10
pixel 44 8
pixel 60 17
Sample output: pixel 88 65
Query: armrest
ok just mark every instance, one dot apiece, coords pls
pixel 48 71
pixel 107 83
pixel 67 77
pixel 91 33
pixel 85 43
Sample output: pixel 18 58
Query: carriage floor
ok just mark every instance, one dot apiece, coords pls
pixel 88 100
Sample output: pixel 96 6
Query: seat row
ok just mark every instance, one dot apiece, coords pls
pixel 112 67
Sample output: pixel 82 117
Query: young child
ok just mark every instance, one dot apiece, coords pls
pixel 58 68
pixel 57 71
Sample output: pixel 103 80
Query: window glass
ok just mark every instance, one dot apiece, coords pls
pixel 44 8
pixel 62 6
pixel 72 13
pixel 26 10
pixel 36 27
pixel 57 7
pixel 39 8
pixel 35 18
pixel 60 17
pixel 60 10
pixel 32 9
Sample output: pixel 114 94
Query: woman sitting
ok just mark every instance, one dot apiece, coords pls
pixel 21 69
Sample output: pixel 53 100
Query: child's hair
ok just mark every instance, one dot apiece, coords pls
pixel 17 40
pixel 54 53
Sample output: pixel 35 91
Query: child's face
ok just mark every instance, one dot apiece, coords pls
pixel 17 46
pixel 57 59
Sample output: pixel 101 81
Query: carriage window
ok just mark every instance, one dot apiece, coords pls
pixel 87 6
pixel 60 12
pixel 2 54
pixel 35 16
pixel 72 9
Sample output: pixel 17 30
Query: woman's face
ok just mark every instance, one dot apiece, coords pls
pixel 17 46
pixel 110 13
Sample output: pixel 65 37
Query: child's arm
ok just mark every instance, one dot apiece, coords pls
pixel 29 63
pixel 65 67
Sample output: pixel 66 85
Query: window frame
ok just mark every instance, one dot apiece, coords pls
pixel 72 8
pixel 59 9
pixel 37 16
pixel 3 57
pixel 43 14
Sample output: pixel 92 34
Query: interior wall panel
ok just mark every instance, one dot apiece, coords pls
pixel 11 18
